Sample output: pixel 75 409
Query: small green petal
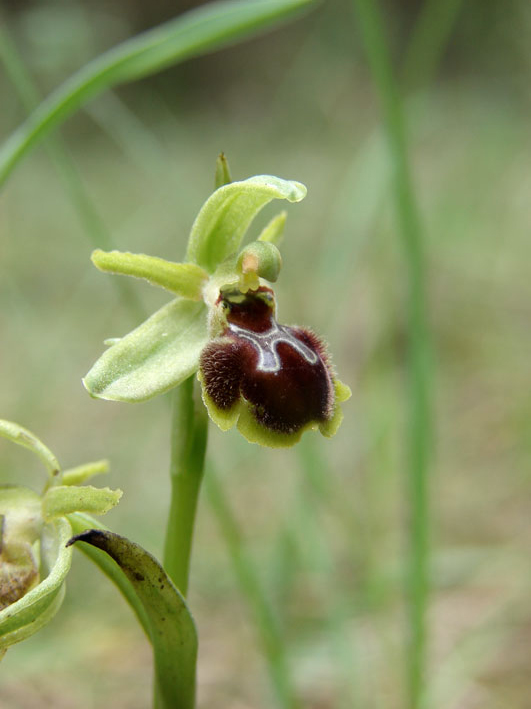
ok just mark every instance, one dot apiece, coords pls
pixel 225 217
pixel 82 473
pixel 273 232
pixel 62 500
pixel 27 439
pixel 183 279
pixel 156 356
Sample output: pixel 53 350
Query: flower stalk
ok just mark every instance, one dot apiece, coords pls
pixel 189 424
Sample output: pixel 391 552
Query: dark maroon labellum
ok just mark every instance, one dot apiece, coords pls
pixel 282 372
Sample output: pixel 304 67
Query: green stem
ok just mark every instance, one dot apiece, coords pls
pixel 420 418
pixel 249 581
pixel 188 447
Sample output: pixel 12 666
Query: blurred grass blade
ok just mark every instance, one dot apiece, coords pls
pixel 197 32
pixel 93 226
pixel 172 628
pixel 419 364
pixel 266 621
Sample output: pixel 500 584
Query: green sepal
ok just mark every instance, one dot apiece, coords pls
pixel 82 473
pixel 62 500
pixel 22 437
pixel 37 607
pixel 273 232
pixel 171 625
pixel 225 217
pixel 182 279
pixel 156 356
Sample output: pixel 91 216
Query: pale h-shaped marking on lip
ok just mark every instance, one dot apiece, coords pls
pixel 266 344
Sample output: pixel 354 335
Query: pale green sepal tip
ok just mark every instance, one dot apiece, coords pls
pixel 156 356
pixel 225 217
pixel 82 473
pixel 30 613
pixel 22 437
pixel 273 232
pixel 182 279
pixel 260 259
pixel 66 499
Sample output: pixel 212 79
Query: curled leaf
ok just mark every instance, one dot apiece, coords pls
pixel 171 625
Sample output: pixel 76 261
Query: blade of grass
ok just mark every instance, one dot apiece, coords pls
pixel 420 419
pixel 252 588
pixel 93 226
pixel 358 203
pixel 197 32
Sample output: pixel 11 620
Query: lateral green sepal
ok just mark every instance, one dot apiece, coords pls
pixel 156 356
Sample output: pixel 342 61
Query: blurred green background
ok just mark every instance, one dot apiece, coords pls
pixel 325 523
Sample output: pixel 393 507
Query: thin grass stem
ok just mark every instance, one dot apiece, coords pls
pixel 419 365
pixel 253 589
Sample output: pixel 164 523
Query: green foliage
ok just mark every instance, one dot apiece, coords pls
pixel 171 626
pixel 210 27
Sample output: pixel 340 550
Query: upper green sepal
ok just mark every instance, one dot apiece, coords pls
pixel 225 217
pixel 159 354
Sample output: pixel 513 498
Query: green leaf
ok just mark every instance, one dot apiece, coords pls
pixel 21 436
pixel 61 500
pixel 184 279
pixel 225 217
pixel 195 33
pixel 80 522
pixel 31 612
pixel 156 356
pixel 173 632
